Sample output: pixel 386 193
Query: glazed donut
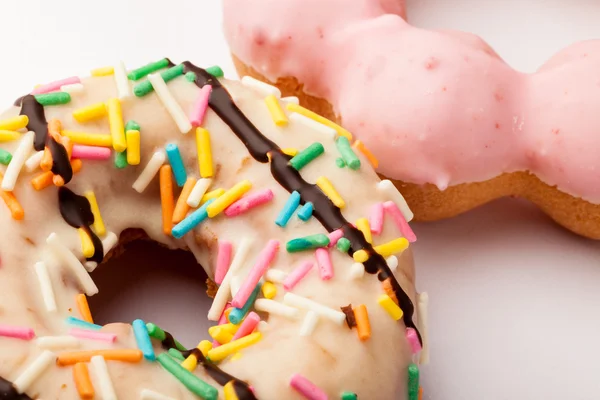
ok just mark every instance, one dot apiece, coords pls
pixel 448 120
pixel 262 197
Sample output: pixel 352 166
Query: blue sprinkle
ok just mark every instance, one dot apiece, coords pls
pixel 176 163
pixel 143 339
pixel 82 324
pixel 237 314
pixel 306 211
pixel 191 221
pixel 288 209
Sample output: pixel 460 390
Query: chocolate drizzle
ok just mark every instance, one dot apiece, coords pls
pixel 8 391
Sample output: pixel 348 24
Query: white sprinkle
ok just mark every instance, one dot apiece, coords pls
pixel 33 371
pixel 302 302
pixel 220 300
pixel 312 124
pixel 107 391
pixel 57 342
pixel 34 161
pixel 386 186
pixel 357 271
pixel 263 326
pixel 392 262
pixel 275 275
pixel 150 171
pixel 291 99
pixel 198 191
pixel 65 255
pixel 74 88
pixel 262 88
pixel 422 305
pixel 18 159
pixel 309 324
pixel 235 284
pixel 121 80
pixel 148 394
pixel 276 308
pixel 109 241
pixel 167 99
pixel 41 271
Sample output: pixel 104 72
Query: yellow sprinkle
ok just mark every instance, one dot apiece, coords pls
pixel 87 247
pixel 236 356
pixel 220 334
pixel 90 113
pixel 229 389
pixel 392 247
pixel 220 353
pixel 360 256
pixel 227 198
pixel 7 136
pixel 277 114
pixel 89 139
pixel 103 71
pixel 213 194
pixel 363 225
pixel 14 123
pixel 392 308
pixel 133 147
pixel 115 120
pixel 191 362
pixel 314 116
pixel 325 185
pixel 98 226
pixel 269 290
pixel 290 151
pixel 205 162
pixel 229 327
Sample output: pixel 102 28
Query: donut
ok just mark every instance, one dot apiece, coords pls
pixel 307 248
pixel 450 123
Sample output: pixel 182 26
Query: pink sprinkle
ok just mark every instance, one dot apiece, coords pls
pixel 307 388
pixel 93 335
pixel 324 264
pixel 54 86
pixel 391 208
pixel 223 260
pixel 413 340
pixel 297 274
pixel 247 327
pixel 250 201
pixel 200 106
pixel 265 258
pixel 376 218
pixel 17 332
pixel 335 236
pixel 90 152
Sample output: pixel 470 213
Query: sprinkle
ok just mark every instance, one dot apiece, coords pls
pixel 17 332
pixel 228 198
pixel 157 333
pixel 190 76
pixel 67 257
pixel 121 80
pixel 413 382
pixel 307 243
pixel 296 118
pixel 191 221
pixel 363 225
pixel 125 355
pixel 422 305
pixel 181 207
pixel 223 260
pixel 16 164
pixel 73 88
pixel 198 192
pixel 326 187
pixel 53 99
pixel 306 211
pixel 143 71
pixel 215 71
pixel 291 99
pixel 44 179
pixel 229 388
pixel 14 123
pixel 222 352
pixel 306 388
pixel 360 146
pixel 176 162
pixel 349 396
pixel 90 113
pixel 334 236
pixel 81 324
pixel 290 151
pixel 302 302
pixel 143 339
pixel 166 198
pixel 236 283
pixel 57 342
pixel 87 246
pixel 350 159
pixel 392 247
pixel 83 383
pixel 340 163
pixel 262 88
pixel 176 354
pixel 90 152
pixel 121 159
pixel 90 139
pixel 357 271
pixel 288 209
pixel 107 391
pixel 9 136
pixel 249 202
pixel 53 86
pixel 275 275
pixel 33 371
pixel 309 323
pixel 200 106
pixel 389 189
pixel 343 245
pixel 413 340
pixel 276 308
pixel 191 362
pixel 392 262
pixel 324 264
pixel 143 88
pixel 264 260
pixel 16 210
pixel 220 334
pixel 132 138
pixel 392 308
pixel 102 71
pixel 33 162
pixel 376 218
pixel 84 308
pixel 148 394
pixel 212 195
pixel 45 286
pixel 277 114
pixel 98 225
pixel 269 290
pixel 93 335
pixel 391 208
pixel 151 169
pixel 321 120
pixel 189 380
pixel 363 326
pixel 169 102
pixel 115 120
pixel 307 155
pixel 205 163
pixel 297 274
pixel 360 256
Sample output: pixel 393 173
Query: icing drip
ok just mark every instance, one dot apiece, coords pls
pixel 8 391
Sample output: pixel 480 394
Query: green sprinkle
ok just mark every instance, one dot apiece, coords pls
pixel 413 382
pixel 189 380
pixel 143 88
pixel 306 243
pixel 176 354
pixel 190 76
pixel 132 126
pixel 5 157
pixel 340 162
pixel 215 71
pixel 304 157
pixel 157 333
pixel 121 159
pixel 343 245
pixel 141 72
pixel 349 396
pixel 343 145
pixel 53 99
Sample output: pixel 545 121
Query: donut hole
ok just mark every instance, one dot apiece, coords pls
pixel 148 281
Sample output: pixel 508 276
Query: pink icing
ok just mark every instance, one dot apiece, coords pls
pixel 442 102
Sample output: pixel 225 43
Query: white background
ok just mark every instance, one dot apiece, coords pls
pixel 515 300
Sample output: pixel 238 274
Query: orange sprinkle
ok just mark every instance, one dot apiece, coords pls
pixel 363 149
pixel 83 381
pixel 46 163
pixel 182 208
pixel 389 290
pixel 74 357
pixel 16 211
pixel 84 308
pixel 45 179
pixel 363 326
pixel 58 180
pixel 166 198
pixel 420 392
pixel 67 144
